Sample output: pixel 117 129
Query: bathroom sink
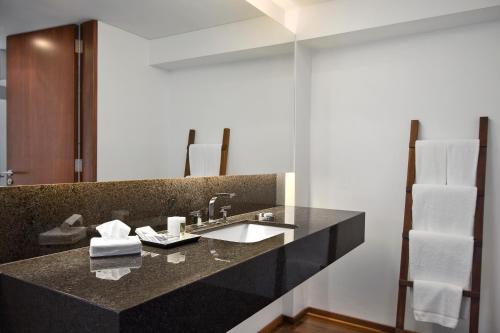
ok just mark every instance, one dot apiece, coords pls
pixel 248 232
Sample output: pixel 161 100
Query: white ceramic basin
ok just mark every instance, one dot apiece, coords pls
pixel 246 233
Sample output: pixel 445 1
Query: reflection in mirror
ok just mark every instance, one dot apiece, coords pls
pixel 3 117
pixel 125 90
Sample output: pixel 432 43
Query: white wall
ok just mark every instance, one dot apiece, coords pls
pixel 253 98
pixel 302 122
pixel 363 98
pixel 132 109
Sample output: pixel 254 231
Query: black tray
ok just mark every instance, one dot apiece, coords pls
pixel 173 241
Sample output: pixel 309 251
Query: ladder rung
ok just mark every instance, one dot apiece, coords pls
pixel 465 293
pixel 479 195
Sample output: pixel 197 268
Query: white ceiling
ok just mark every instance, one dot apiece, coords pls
pixel 147 18
pixel 296 3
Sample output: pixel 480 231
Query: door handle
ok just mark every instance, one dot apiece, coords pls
pixel 7 174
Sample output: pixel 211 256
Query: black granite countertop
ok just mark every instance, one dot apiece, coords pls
pixel 158 272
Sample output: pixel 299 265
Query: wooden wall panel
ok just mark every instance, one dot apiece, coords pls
pixel 88 101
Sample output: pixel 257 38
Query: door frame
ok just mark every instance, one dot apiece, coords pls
pixel 88 101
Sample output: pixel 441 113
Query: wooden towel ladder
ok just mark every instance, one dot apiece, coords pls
pixel 223 156
pixel 474 293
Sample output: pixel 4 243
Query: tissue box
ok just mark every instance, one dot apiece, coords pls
pixel 105 247
pixel 58 236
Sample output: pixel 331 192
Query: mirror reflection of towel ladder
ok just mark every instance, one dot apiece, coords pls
pixel 223 156
pixel 474 293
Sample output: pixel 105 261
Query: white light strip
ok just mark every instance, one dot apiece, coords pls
pixel 275 10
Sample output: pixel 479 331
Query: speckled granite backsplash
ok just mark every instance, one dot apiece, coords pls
pixel 26 211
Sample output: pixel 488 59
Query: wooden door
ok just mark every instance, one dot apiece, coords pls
pixel 42 106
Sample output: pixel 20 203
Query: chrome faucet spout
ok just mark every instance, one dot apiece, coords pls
pixel 211 209
pixel 211 204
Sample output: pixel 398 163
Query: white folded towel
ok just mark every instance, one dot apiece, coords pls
pixel 461 162
pixel 430 162
pixel 436 302
pixel 103 247
pixel 204 159
pixel 445 209
pixel 439 258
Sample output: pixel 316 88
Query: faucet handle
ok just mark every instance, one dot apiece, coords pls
pixel 225 208
pixel 226 195
pixel 196 217
pixel 171 203
pixel 195 213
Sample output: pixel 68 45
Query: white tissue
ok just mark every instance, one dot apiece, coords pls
pixel 115 229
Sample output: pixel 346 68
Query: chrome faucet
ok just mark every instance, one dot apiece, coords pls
pixel 211 205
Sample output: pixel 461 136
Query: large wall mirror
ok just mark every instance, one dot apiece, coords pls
pixel 116 90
